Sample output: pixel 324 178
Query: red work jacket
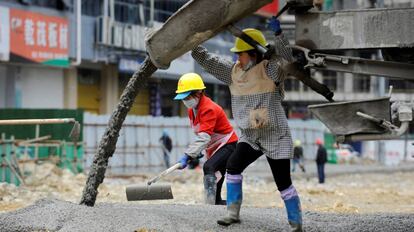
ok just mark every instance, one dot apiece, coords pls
pixel 212 120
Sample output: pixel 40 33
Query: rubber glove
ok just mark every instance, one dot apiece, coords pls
pixel 183 161
pixel 274 25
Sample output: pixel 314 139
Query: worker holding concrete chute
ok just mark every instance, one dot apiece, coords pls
pixel 256 87
pixel 214 135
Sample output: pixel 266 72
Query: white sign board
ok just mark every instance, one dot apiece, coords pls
pixel 395 151
pixel 4 34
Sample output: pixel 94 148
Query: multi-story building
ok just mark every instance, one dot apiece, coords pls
pixel 80 54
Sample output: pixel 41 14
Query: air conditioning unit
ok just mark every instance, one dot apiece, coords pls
pixel 117 34
pixel 103 30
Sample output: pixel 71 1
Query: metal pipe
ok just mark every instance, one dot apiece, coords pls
pixel 37 121
pixel 14 171
pixel 37 134
pixel 78 33
pixel 35 140
pixel 152 13
pixel 361 137
pixel 105 22
pixel 112 9
pixel 141 15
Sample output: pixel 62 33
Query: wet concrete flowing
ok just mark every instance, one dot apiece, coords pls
pixel 109 139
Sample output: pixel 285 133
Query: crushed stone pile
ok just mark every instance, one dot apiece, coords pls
pixel 349 202
pixel 56 215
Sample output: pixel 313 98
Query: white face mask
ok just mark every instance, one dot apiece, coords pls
pixel 191 103
pixel 249 65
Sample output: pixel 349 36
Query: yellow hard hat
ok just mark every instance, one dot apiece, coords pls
pixel 187 83
pixel 241 46
pixel 297 142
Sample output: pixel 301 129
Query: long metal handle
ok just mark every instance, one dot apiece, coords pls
pixel 282 10
pixel 164 173
pixel 36 121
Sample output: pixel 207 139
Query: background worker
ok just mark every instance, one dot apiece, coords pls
pixel 166 145
pixel 321 158
pixel 256 87
pixel 298 156
pixel 213 134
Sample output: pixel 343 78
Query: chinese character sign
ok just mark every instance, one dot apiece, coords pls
pixel 38 38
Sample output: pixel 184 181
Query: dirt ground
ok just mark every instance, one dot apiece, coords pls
pixel 356 193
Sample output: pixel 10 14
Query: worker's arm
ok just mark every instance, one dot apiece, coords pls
pixel 208 119
pixel 282 54
pixel 218 67
pixel 282 48
pixel 199 143
pixel 193 151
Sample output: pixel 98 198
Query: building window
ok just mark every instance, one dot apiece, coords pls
pixel 128 11
pixel 361 83
pixel 134 11
pixel 163 9
pixel 291 84
pixel 92 7
pixel 141 105
pixel 401 86
pixel 55 4
pixel 89 90
pixel 330 79
pixel 169 106
pixel 88 76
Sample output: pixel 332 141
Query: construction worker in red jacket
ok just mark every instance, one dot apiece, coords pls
pixel 214 135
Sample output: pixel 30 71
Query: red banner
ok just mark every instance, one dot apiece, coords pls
pixel 38 38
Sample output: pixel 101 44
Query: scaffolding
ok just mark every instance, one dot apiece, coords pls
pixel 19 157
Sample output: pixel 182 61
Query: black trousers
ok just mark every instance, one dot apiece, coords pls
pixel 244 155
pixel 218 163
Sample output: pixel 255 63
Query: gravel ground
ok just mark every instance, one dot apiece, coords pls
pixel 355 198
pixel 56 215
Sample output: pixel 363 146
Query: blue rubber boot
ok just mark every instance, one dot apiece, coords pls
pixel 234 200
pixel 293 208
